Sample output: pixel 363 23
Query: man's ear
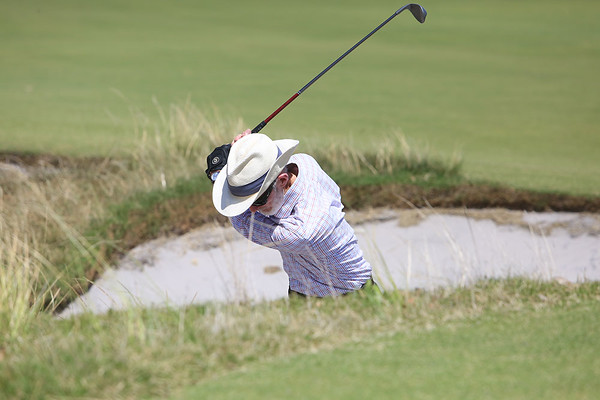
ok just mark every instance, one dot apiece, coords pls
pixel 283 178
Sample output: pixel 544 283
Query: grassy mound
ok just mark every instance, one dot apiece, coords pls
pixel 143 353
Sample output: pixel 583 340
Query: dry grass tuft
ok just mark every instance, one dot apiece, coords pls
pixel 44 207
pixel 393 154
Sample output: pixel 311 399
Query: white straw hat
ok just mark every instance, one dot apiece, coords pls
pixel 254 162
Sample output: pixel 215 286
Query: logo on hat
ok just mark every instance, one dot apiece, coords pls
pixel 215 160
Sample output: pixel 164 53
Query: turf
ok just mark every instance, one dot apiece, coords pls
pixel 513 86
pixel 549 355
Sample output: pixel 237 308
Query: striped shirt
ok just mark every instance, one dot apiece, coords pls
pixel 318 247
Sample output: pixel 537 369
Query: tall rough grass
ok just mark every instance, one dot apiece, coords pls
pixel 45 207
pixel 19 271
pixel 393 154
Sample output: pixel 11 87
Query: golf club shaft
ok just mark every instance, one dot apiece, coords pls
pixel 418 12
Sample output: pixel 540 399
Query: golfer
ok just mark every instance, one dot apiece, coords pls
pixel 287 202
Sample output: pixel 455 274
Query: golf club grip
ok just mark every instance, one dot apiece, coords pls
pixel 258 127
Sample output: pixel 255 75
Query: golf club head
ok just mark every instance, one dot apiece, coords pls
pixel 418 12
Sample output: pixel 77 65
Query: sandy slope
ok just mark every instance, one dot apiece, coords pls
pixel 407 248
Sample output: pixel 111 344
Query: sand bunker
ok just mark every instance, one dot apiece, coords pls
pixel 407 248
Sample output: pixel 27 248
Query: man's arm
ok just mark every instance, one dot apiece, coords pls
pixel 285 236
pixel 255 227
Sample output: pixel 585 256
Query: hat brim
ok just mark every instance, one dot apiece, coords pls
pixel 229 205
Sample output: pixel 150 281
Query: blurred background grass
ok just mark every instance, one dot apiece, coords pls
pixel 511 85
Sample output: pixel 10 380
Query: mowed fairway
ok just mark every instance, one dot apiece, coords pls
pixel 512 86
pixel 525 355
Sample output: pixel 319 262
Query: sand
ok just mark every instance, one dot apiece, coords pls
pixel 408 249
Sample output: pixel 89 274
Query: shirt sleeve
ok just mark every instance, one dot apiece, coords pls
pixel 255 227
pixel 286 234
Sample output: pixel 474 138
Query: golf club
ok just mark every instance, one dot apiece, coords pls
pixel 417 11
pixel 218 158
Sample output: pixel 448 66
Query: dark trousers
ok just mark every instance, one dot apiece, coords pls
pixel 369 283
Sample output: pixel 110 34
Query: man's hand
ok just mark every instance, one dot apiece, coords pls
pixel 216 161
pixel 218 158
pixel 241 135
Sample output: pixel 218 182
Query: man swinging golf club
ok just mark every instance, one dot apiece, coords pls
pixel 287 202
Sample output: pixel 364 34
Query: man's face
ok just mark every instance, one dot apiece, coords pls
pixel 274 202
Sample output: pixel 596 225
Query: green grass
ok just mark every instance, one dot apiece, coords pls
pixel 525 355
pixel 511 86
pixel 539 338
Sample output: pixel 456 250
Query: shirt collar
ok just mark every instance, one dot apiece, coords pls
pixel 291 198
